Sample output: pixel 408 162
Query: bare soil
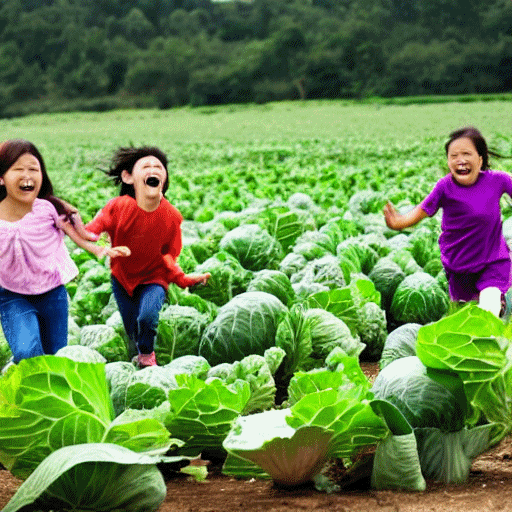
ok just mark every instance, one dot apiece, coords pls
pixel 488 488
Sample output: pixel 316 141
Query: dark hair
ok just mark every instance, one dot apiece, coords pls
pixel 124 159
pixel 470 132
pixel 10 151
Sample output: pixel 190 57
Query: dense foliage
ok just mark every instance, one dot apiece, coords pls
pixel 281 328
pixel 65 54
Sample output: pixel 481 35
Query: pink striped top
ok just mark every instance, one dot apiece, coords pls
pixel 33 257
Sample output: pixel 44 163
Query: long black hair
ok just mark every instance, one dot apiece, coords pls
pixel 125 158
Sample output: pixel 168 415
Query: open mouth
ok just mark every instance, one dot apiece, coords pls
pixel 463 171
pixel 152 181
pixel 27 186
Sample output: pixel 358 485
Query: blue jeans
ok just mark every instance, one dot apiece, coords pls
pixel 140 313
pixel 34 325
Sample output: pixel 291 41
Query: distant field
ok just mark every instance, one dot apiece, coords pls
pixel 268 150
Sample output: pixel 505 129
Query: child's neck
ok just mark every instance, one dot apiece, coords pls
pixel 12 211
pixel 148 204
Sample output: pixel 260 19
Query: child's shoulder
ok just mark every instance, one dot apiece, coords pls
pixel 170 210
pixel 43 207
pixel 120 203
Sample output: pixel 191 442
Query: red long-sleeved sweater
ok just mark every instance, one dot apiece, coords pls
pixel 154 239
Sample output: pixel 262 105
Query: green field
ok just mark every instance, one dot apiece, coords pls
pixel 265 151
pixel 283 207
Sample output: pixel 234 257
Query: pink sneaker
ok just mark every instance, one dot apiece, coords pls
pixel 145 360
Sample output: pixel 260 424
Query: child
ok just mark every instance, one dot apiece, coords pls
pixel 144 221
pixel 474 253
pixel 34 262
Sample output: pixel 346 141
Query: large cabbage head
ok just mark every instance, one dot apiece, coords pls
pixel 329 332
pixel 253 247
pixel 274 282
pixel 419 298
pixel 246 325
pixel 386 276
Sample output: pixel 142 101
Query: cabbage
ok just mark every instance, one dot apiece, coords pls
pixel 275 282
pixel 329 332
pixel 366 201
pixel 179 332
pixel 253 247
pixel 245 325
pixel 320 244
pixel 105 340
pixel 471 343
pixel 286 225
pixel 425 245
pixel 301 201
pixel 81 354
pixel 292 263
pixel 294 337
pixel 362 252
pixel 386 276
pixel 292 445
pixel 48 402
pixel 201 413
pixel 401 342
pixel 347 303
pixel 259 372
pixel 434 404
pixel 405 260
pixel 424 397
pixel 325 271
pixel 228 278
pixel 148 388
pixel 419 299
pixel 94 476
pixel 372 330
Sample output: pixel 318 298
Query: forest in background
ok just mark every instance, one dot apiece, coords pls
pixel 106 54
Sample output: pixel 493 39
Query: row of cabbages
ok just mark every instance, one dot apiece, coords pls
pixel 370 278
pixel 260 369
pixel 442 397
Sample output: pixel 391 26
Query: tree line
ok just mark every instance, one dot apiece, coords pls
pixel 58 54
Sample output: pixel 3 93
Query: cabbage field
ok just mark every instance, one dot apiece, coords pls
pixel 260 369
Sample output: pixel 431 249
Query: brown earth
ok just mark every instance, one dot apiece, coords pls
pixel 488 488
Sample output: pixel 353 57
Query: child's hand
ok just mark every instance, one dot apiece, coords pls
pixel 391 216
pixel 200 279
pixel 63 223
pixel 120 250
pixel 76 221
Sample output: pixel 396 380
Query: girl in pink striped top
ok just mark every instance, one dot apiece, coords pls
pixel 34 262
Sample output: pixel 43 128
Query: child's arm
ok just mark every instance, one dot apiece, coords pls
pixel 76 221
pixel 398 221
pixel 86 244
pixel 177 276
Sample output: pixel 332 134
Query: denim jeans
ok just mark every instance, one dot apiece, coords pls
pixel 34 325
pixel 140 312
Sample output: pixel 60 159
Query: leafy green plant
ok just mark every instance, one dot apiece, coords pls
pixel 48 402
pixel 92 476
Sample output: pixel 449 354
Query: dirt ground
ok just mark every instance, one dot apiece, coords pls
pixel 489 488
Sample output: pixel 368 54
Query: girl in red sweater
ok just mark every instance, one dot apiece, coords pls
pixel 142 220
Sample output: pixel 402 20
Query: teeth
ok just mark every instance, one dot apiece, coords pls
pixel 27 184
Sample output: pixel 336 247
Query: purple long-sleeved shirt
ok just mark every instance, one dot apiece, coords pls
pixel 471 227
pixel 33 257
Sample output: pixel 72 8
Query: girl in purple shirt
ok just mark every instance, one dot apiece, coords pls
pixel 34 262
pixel 474 253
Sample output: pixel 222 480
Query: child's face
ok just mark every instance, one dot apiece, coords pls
pixel 23 180
pixel 464 161
pixel 147 177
